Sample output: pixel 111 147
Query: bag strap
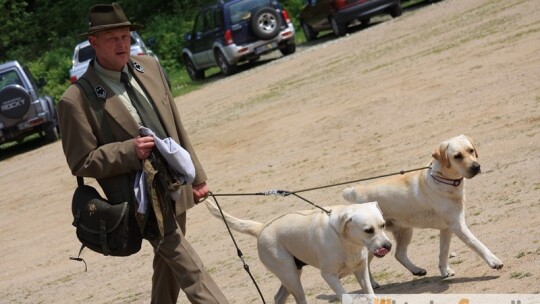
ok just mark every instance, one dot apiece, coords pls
pixel 78 258
pixel 84 84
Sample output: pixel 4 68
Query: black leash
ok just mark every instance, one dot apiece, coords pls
pixel 363 179
pixel 295 193
pixel 285 193
pixel 238 251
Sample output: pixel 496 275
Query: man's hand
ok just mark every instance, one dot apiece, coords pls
pixel 200 192
pixel 144 146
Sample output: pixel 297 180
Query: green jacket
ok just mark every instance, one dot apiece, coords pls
pixel 91 152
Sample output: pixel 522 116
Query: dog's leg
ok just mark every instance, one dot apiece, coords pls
pixel 281 263
pixel 363 276
pixel 281 295
pixel 333 281
pixel 444 253
pixel 374 283
pixel 463 233
pixel 290 283
pixel 403 238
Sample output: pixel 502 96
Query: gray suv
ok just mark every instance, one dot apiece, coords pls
pixel 23 111
pixel 229 32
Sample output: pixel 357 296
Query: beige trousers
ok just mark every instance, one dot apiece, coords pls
pixel 177 266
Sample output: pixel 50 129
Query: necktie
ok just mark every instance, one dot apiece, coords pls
pixel 148 115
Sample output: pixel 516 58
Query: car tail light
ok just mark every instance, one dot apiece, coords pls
pixel 286 16
pixel 228 37
pixel 340 3
pixel 72 79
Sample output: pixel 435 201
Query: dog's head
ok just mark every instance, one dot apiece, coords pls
pixel 364 225
pixel 460 155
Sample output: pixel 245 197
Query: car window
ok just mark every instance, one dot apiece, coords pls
pixel 198 27
pixel 9 78
pixel 244 9
pixel 86 53
pixel 217 18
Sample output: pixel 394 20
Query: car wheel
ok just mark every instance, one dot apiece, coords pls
pixel 309 33
pixel 397 10
pixel 266 23
pixel 365 21
pixel 226 68
pixel 288 49
pixel 338 28
pixel 193 73
pixel 52 134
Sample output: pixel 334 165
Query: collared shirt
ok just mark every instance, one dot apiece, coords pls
pixel 112 78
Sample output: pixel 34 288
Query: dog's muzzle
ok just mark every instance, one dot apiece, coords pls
pixel 382 251
pixel 475 169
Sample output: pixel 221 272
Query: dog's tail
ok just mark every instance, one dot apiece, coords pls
pixel 350 195
pixel 245 226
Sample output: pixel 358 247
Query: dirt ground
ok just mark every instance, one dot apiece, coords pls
pixel 374 102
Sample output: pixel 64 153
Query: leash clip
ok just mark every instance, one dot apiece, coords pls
pixel 276 192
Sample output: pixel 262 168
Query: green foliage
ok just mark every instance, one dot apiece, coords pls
pixel 42 34
pixel 53 66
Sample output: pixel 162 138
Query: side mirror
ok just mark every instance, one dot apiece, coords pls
pixel 187 37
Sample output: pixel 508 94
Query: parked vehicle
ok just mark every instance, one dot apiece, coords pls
pixel 83 53
pixel 337 15
pixel 227 33
pixel 23 111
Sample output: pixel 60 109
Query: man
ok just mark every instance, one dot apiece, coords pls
pixel 103 142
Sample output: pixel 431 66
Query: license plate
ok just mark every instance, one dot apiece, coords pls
pixel 265 47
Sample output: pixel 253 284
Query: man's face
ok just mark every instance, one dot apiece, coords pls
pixel 112 48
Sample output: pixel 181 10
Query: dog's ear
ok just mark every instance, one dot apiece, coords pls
pixel 376 203
pixel 344 219
pixel 472 143
pixel 441 154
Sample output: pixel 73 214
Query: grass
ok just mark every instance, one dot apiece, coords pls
pixel 520 275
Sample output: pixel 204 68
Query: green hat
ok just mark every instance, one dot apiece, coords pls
pixel 103 17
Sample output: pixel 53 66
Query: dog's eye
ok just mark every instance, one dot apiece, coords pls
pixel 458 156
pixel 369 230
pixel 471 151
pixel 383 226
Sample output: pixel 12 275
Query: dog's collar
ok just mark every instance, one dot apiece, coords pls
pixel 446 181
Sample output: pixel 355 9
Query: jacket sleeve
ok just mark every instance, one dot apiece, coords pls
pixel 86 152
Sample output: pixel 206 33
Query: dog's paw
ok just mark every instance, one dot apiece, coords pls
pixel 495 263
pixel 419 272
pixel 447 272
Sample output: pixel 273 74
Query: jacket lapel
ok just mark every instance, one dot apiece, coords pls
pixel 154 91
pixel 114 106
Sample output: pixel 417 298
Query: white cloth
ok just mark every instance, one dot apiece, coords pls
pixel 177 158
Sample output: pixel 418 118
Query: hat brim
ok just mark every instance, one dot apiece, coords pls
pixel 132 27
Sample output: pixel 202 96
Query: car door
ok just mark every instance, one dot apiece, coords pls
pixel 204 32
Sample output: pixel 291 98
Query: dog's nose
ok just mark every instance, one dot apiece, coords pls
pixel 388 246
pixel 475 168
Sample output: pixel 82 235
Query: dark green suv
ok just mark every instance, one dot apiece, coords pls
pixel 228 32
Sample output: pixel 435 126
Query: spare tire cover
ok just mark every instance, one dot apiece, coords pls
pixel 266 23
pixel 14 101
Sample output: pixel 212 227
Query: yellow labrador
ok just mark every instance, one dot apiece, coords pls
pixel 432 198
pixel 338 244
